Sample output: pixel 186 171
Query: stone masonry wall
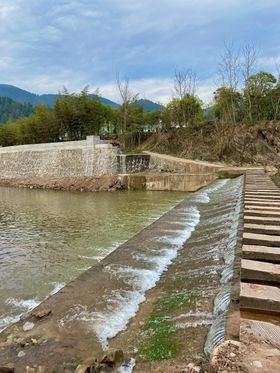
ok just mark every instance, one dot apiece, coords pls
pixel 90 157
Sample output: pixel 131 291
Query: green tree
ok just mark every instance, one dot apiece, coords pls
pixel 227 105
pixel 258 89
pixel 183 112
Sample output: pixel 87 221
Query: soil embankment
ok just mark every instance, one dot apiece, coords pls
pixel 238 145
pixel 83 184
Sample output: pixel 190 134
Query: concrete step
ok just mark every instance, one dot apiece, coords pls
pixel 257 207
pixel 255 202
pixel 261 197
pixel 261 239
pixel 262 229
pixel 260 298
pixel 254 271
pixel 261 253
pixel 256 190
pixel 262 220
pixel 264 213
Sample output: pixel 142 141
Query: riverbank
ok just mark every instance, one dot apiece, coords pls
pixel 83 183
pixel 236 145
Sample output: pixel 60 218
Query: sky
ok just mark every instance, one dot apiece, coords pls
pixel 48 44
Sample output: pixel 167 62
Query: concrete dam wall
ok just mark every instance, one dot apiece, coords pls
pixel 95 158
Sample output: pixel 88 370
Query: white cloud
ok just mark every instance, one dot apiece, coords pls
pixel 157 90
pixel 47 44
pixel 269 61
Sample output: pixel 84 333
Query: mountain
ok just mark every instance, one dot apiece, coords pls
pixel 149 105
pixel 12 109
pixel 22 96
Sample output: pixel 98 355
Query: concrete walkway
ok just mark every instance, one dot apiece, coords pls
pixel 260 268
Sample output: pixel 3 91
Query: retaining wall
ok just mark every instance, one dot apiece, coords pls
pixel 90 157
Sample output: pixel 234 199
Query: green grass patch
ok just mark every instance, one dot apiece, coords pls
pixel 173 301
pixel 159 342
pixel 156 349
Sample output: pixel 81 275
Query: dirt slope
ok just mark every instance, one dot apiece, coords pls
pixel 235 145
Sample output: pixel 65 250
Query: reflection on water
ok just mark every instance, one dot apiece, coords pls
pixel 48 238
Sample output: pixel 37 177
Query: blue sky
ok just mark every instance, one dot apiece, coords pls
pixel 48 44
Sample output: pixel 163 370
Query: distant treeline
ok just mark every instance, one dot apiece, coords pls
pixel 244 96
pixel 73 117
pixel 11 110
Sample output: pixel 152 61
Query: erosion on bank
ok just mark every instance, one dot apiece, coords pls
pixel 84 183
pixel 235 145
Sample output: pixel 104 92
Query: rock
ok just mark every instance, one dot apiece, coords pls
pixel 83 368
pixel 34 341
pixel 40 313
pixel 191 368
pixel 221 352
pixel 28 326
pixel 40 369
pixel 114 358
pixel 21 354
pixel 9 368
pixel 257 364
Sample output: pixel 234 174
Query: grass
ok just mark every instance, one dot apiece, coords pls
pixel 173 301
pixel 159 343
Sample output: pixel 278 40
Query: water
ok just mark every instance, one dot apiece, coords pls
pixel 203 230
pixel 48 238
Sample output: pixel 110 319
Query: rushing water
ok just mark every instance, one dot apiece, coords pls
pixel 48 238
pixel 198 239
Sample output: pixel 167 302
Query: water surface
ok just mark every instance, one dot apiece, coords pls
pixel 48 238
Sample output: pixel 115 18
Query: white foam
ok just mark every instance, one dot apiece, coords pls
pixel 96 257
pixel 193 324
pixel 57 287
pixel 128 367
pixel 23 304
pixel 203 196
pixel 192 314
pixel 7 320
pixel 122 305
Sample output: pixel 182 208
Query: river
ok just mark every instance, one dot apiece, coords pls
pixel 48 238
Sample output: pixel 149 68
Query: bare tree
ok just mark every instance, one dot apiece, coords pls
pixel 249 59
pixel 229 72
pixel 185 83
pixel 277 68
pixel 276 102
pixel 184 86
pixel 127 97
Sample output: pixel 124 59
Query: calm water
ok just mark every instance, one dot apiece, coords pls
pixel 48 238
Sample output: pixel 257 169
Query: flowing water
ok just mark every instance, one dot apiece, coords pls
pixel 186 256
pixel 49 238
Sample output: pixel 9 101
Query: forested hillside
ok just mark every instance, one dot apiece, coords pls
pixel 11 110
pixel 22 96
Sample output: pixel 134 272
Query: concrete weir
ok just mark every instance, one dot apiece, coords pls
pixel 187 256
